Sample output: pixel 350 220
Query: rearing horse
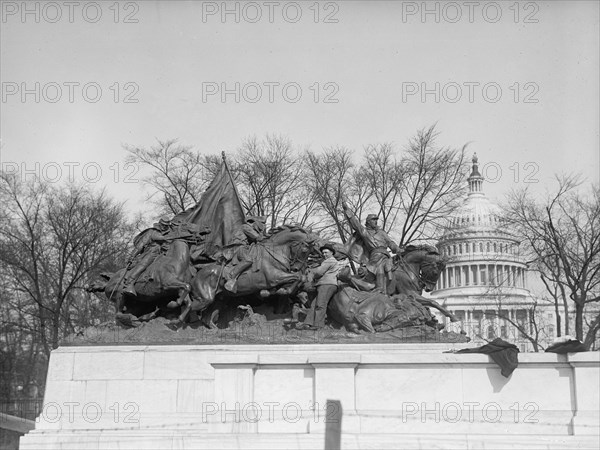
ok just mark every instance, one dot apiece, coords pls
pixel 278 261
pixel 419 269
pixel 166 280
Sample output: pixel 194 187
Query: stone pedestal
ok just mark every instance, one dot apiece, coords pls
pixel 392 396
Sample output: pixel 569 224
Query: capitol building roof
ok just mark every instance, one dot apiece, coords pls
pixel 481 252
pixel 477 214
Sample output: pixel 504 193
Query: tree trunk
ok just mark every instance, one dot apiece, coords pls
pixel 590 337
pixel 579 321
pixel 558 319
pixel 55 329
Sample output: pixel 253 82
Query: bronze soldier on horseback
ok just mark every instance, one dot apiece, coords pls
pixel 375 243
pixel 239 253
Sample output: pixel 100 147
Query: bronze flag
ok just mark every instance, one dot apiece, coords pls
pixel 219 209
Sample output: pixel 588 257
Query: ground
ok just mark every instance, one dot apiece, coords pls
pixel 249 327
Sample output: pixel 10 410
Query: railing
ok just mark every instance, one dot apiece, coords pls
pixel 25 408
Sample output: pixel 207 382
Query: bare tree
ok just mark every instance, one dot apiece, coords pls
pixel 21 357
pixel 433 185
pixel 417 190
pixel 53 239
pixel 563 237
pixel 384 174
pixel 333 178
pixel 533 326
pixel 178 175
pixel 272 183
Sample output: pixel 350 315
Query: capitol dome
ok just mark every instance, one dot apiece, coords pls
pixel 477 232
pixel 477 212
pixel 484 283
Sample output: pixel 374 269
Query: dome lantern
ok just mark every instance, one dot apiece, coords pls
pixel 475 179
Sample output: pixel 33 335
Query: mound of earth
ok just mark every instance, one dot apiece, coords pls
pixel 248 327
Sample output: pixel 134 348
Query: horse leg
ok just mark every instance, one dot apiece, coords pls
pixel 289 289
pixel 183 298
pixel 183 292
pixel 205 287
pixel 433 304
pixel 119 302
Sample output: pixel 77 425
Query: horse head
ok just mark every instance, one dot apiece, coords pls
pixel 301 250
pixel 286 234
pixel 427 262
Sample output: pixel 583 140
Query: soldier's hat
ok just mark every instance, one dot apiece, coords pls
pixel 164 221
pixel 372 216
pixel 328 247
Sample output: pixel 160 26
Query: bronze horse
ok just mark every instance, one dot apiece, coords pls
pixel 417 270
pixel 278 267
pixel 373 311
pixel 165 282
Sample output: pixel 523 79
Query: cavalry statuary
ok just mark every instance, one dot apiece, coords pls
pixel 359 305
pixel 371 243
pixel 212 251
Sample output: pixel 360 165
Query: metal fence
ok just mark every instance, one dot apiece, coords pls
pixel 26 408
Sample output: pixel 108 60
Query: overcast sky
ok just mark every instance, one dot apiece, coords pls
pixel 517 81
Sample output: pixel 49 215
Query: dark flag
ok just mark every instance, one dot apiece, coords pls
pixel 219 209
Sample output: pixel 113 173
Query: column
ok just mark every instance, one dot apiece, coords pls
pixel 520 274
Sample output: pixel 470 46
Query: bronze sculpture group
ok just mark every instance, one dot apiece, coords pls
pixel 213 252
